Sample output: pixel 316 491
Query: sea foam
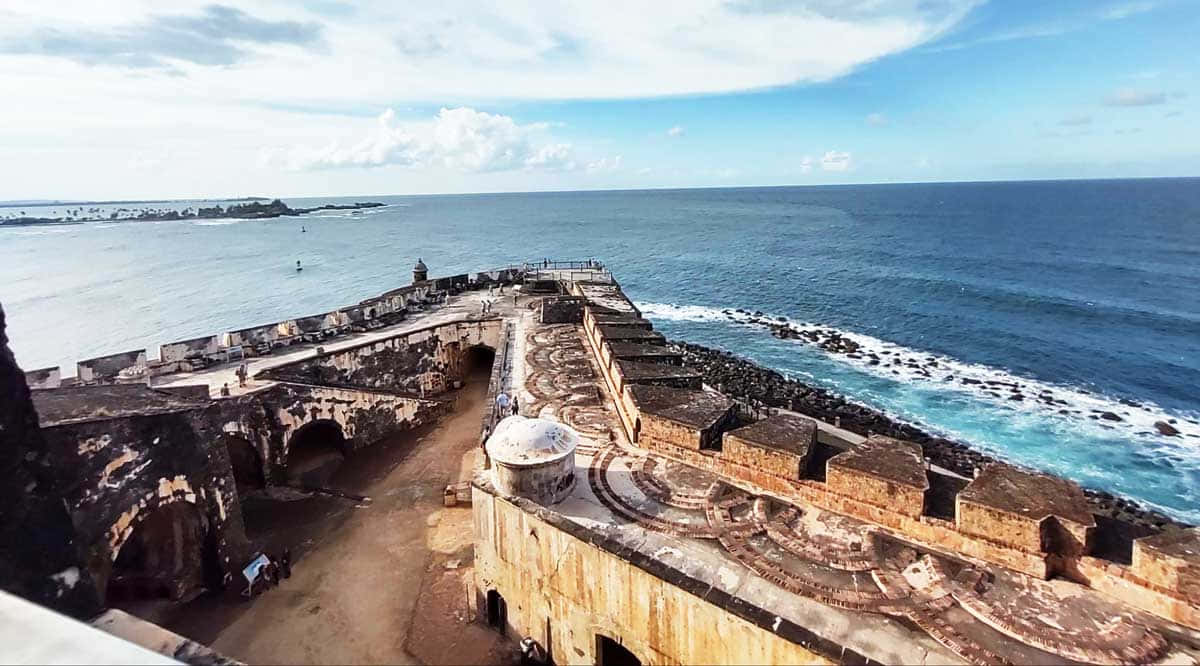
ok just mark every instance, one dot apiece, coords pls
pixel 994 386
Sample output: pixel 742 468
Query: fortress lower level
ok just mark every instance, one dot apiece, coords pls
pixel 682 528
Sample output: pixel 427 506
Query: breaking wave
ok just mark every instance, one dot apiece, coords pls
pixel 1099 414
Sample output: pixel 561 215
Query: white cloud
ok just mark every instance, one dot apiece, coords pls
pixel 471 50
pixel 1132 97
pixel 806 164
pixel 835 161
pixel 604 164
pixel 876 119
pixel 460 139
pixel 675 131
pixel 1125 10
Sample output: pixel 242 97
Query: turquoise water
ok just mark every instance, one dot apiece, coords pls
pixel 1087 289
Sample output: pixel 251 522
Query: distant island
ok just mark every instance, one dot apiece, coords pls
pixel 252 210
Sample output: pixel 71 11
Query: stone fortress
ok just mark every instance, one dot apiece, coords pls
pixel 631 514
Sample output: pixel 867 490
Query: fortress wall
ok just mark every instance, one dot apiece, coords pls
pixel 866 488
pixel 382 310
pixel 1012 530
pixel 1168 571
pixel 113 473
pixel 186 349
pixel 1122 583
pixel 778 463
pixel 105 369
pixel 563 592
pixel 365 416
pixel 44 378
pixel 562 310
pixel 421 362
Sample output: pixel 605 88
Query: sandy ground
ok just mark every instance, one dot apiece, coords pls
pixel 376 583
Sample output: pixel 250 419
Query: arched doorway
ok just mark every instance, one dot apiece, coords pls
pixel 612 653
pixel 478 360
pixel 167 556
pixel 245 462
pixel 497 612
pixel 315 452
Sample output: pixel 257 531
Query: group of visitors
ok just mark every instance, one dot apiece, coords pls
pixel 505 405
pixel 271 572
pixel 242 373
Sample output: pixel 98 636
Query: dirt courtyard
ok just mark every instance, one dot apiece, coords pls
pixel 378 582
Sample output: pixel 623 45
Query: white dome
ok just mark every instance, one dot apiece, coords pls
pixel 518 440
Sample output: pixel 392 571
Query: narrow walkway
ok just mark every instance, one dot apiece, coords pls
pixel 377 583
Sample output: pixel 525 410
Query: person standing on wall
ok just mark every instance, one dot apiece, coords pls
pixel 502 404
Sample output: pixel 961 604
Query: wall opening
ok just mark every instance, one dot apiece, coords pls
pixel 245 462
pixel 612 653
pixel 316 451
pixel 165 557
pixel 477 363
pixel 497 612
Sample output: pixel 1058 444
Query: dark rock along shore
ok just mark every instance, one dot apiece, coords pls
pixel 762 387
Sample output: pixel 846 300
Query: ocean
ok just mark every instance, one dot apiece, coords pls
pixel 1089 290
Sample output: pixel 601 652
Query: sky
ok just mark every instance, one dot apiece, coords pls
pixel 131 99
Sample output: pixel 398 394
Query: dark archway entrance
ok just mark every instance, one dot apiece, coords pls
pixel 478 360
pixel 166 557
pixel 245 462
pixel 497 612
pixel 316 451
pixel 612 653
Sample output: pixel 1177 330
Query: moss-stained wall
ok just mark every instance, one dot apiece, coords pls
pixel 563 592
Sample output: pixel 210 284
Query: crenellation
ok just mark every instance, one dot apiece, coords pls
pixel 626 506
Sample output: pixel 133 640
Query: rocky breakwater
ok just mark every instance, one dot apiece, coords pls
pixel 762 387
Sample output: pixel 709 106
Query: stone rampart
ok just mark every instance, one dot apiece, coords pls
pixel 425 361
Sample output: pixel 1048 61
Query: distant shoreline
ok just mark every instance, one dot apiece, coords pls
pixel 254 210
pixel 42 203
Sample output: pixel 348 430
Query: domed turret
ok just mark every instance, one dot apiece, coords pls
pixel 420 271
pixel 533 458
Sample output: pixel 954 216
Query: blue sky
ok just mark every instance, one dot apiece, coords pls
pixel 152 99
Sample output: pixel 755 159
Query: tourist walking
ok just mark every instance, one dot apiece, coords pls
pixel 285 563
pixel 514 406
pixel 502 404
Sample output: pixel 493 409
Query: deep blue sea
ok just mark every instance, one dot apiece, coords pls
pixel 1087 289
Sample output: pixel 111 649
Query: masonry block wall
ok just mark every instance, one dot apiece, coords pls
pixel 770 461
pixel 422 362
pixel 1170 561
pixel 1011 530
pixel 564 592
pixel 114 473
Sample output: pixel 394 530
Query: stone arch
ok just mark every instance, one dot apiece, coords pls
pixel 166 550
pixel 313 452
pixel 245 461
pixel 477 358
pixel 612 653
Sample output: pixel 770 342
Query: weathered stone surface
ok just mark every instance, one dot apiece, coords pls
pixel 1012 506
pixel 659 374
pixel 1171 560
pixel 778 444
pixel 883 471
pixel 39 557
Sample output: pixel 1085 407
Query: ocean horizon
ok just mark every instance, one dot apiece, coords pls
pixel 1084 290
